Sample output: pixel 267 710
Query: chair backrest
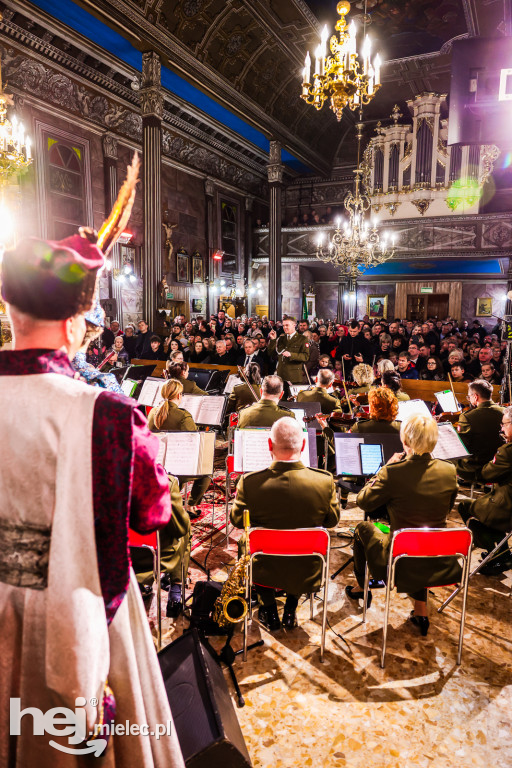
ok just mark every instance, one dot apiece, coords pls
pixel 233 419
pixel 431 542
pixel 230 464
pixel 140 540
pixel 295 541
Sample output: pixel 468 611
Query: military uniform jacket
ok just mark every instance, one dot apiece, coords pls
pixel 262 414
pixel 242 396
pixel 178 420
pixel 495 508
pixel 287 495
pixel 417 491
pixel 191 388
pixel 377 426
pixel 328 403
pixel 479 429
pixel 290 368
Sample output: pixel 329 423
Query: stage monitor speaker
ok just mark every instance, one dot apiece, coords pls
pixel 203 713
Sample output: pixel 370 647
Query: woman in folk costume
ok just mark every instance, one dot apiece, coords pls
pixel 77 470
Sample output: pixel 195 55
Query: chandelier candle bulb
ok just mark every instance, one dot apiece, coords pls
pixel 324 38
pixel 377 65
pixel 307 69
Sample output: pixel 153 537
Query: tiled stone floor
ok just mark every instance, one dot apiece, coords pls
pixel 421 710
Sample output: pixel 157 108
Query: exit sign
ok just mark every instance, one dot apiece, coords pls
pixel 170 295
pixel 427 290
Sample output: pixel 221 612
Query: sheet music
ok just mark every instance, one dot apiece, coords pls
pixel 348 458
pixel 296 388
pixel 447 401
pixel 232 382
pixel 299 415
pixel 407 407
pixel 449 445
pixel 128 386
pixel 182 453
pixel 150 392
pixel 191 404
pixel 160 457
pixel 211 409
pixel 252 452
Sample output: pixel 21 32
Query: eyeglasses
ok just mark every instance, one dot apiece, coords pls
pixel 504 423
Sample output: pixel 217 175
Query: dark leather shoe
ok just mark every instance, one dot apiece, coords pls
pixel 289 620
pixel 376 584
pixel 353 594
pixel 174 604
pixel 495 567
pixel 343 503
pixel 421 622
pixel 146 591
pixel 269 617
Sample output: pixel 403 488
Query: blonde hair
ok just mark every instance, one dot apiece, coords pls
pixel 363 374
pixel 385 365
pixel 420 433
pixel 170 390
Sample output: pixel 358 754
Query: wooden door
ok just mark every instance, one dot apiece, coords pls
pixel 416 307
pixel 420 306
pixel 438 305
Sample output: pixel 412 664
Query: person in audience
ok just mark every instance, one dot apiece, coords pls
pixel 320 394
pixel 221 356
pixel 286 495
pixel 169 417
pixel 242 394
pixel 417 491
pixel 354 348
pixel 489 373
pixel 130 340
pixel 383 412
pixel 267 410
pixel 433 371
pixel 174 554
pixel 180 372
pixel 78 470
pixel 198 354
pixel 121 355
pixel 312 365
pixel 479 429
pixel 143 343
pixel 209 347
pixel 475 366
pixel 415 358
pixel 250 353
pixel 325 361
pixel 391 380
pixel 384 346
pixel 231 350
pixel 494 510
pixel 405 368
pixel 458 372
pixel 157 349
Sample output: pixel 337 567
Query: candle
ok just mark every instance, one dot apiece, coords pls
pixel 352 38
pixel 319 65
pixel 370 81
pixel 28 147
pixel 324 38
pixel 377 65
pixel 367 46
pixel 307 68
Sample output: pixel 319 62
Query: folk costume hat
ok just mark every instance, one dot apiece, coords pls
pixel 54 280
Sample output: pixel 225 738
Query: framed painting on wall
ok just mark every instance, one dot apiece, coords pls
pixel 182 266
pixel 377 307
pixel 197 268
pixel 484 307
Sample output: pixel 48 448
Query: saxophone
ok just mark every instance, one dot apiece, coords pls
pixel 231 606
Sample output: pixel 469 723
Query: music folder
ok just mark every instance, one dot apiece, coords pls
pixel 251 451
pixel 232 382
pixel 305 409
pixel 186 454
pixel 207 410
pixel 151 392
pixel 447 401
pixel 407 407
pixel 129 386
pixel 449 445
pixel 348 453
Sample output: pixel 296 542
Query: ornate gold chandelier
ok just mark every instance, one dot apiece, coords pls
pixel 15 145
pixel 358 245
pixel 341 77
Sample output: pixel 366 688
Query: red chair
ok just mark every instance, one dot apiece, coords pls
pixel 151 541
pixel 425 543
pixel 267 542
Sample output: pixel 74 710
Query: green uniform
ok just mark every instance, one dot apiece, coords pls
pixel 287 495
pixel 180 420
pixel 191 388
pixel 174 543
pixel 242 396
pixel 377 426
pixel 417 491
pixel 359 390
pixel 401 395
pixel 479 429
pixel 494 509
pixel 328 403
pixel 290 368
pixel 262 414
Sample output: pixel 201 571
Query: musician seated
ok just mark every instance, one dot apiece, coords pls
pixel 268 410
pixel 363 378
pixel 383 411
pixel 479 429
pixel 169 417
pixel 417 491
pixel 383 365
pixel 242 395
pixel 180 371
pixel 319 394
pixel 392 380
pixel 286 495
pixel 494 510
pixel 174 552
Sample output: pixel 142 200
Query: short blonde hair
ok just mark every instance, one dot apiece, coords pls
pixel 363 374
pixel 385 365
pixel 420 433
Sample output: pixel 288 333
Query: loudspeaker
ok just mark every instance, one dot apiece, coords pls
pixel 203 713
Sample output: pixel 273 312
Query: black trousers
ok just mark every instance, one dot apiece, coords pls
pixel 267 596
pixel 483 535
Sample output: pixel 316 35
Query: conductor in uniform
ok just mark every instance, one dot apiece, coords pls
pixel 292 352
pixel 286 495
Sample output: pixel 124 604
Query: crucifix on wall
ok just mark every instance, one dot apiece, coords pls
pixel 169 248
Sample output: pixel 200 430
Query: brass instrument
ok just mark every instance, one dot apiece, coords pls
pixel 231 605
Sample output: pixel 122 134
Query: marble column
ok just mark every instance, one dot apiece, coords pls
pixel 248 227
pixel 275 179
pixel 342 288
pixel 209 191
pixel 110 177
pixel 151 100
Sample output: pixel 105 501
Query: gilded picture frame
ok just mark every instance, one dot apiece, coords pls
pixel 377 306
pixel 484 307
